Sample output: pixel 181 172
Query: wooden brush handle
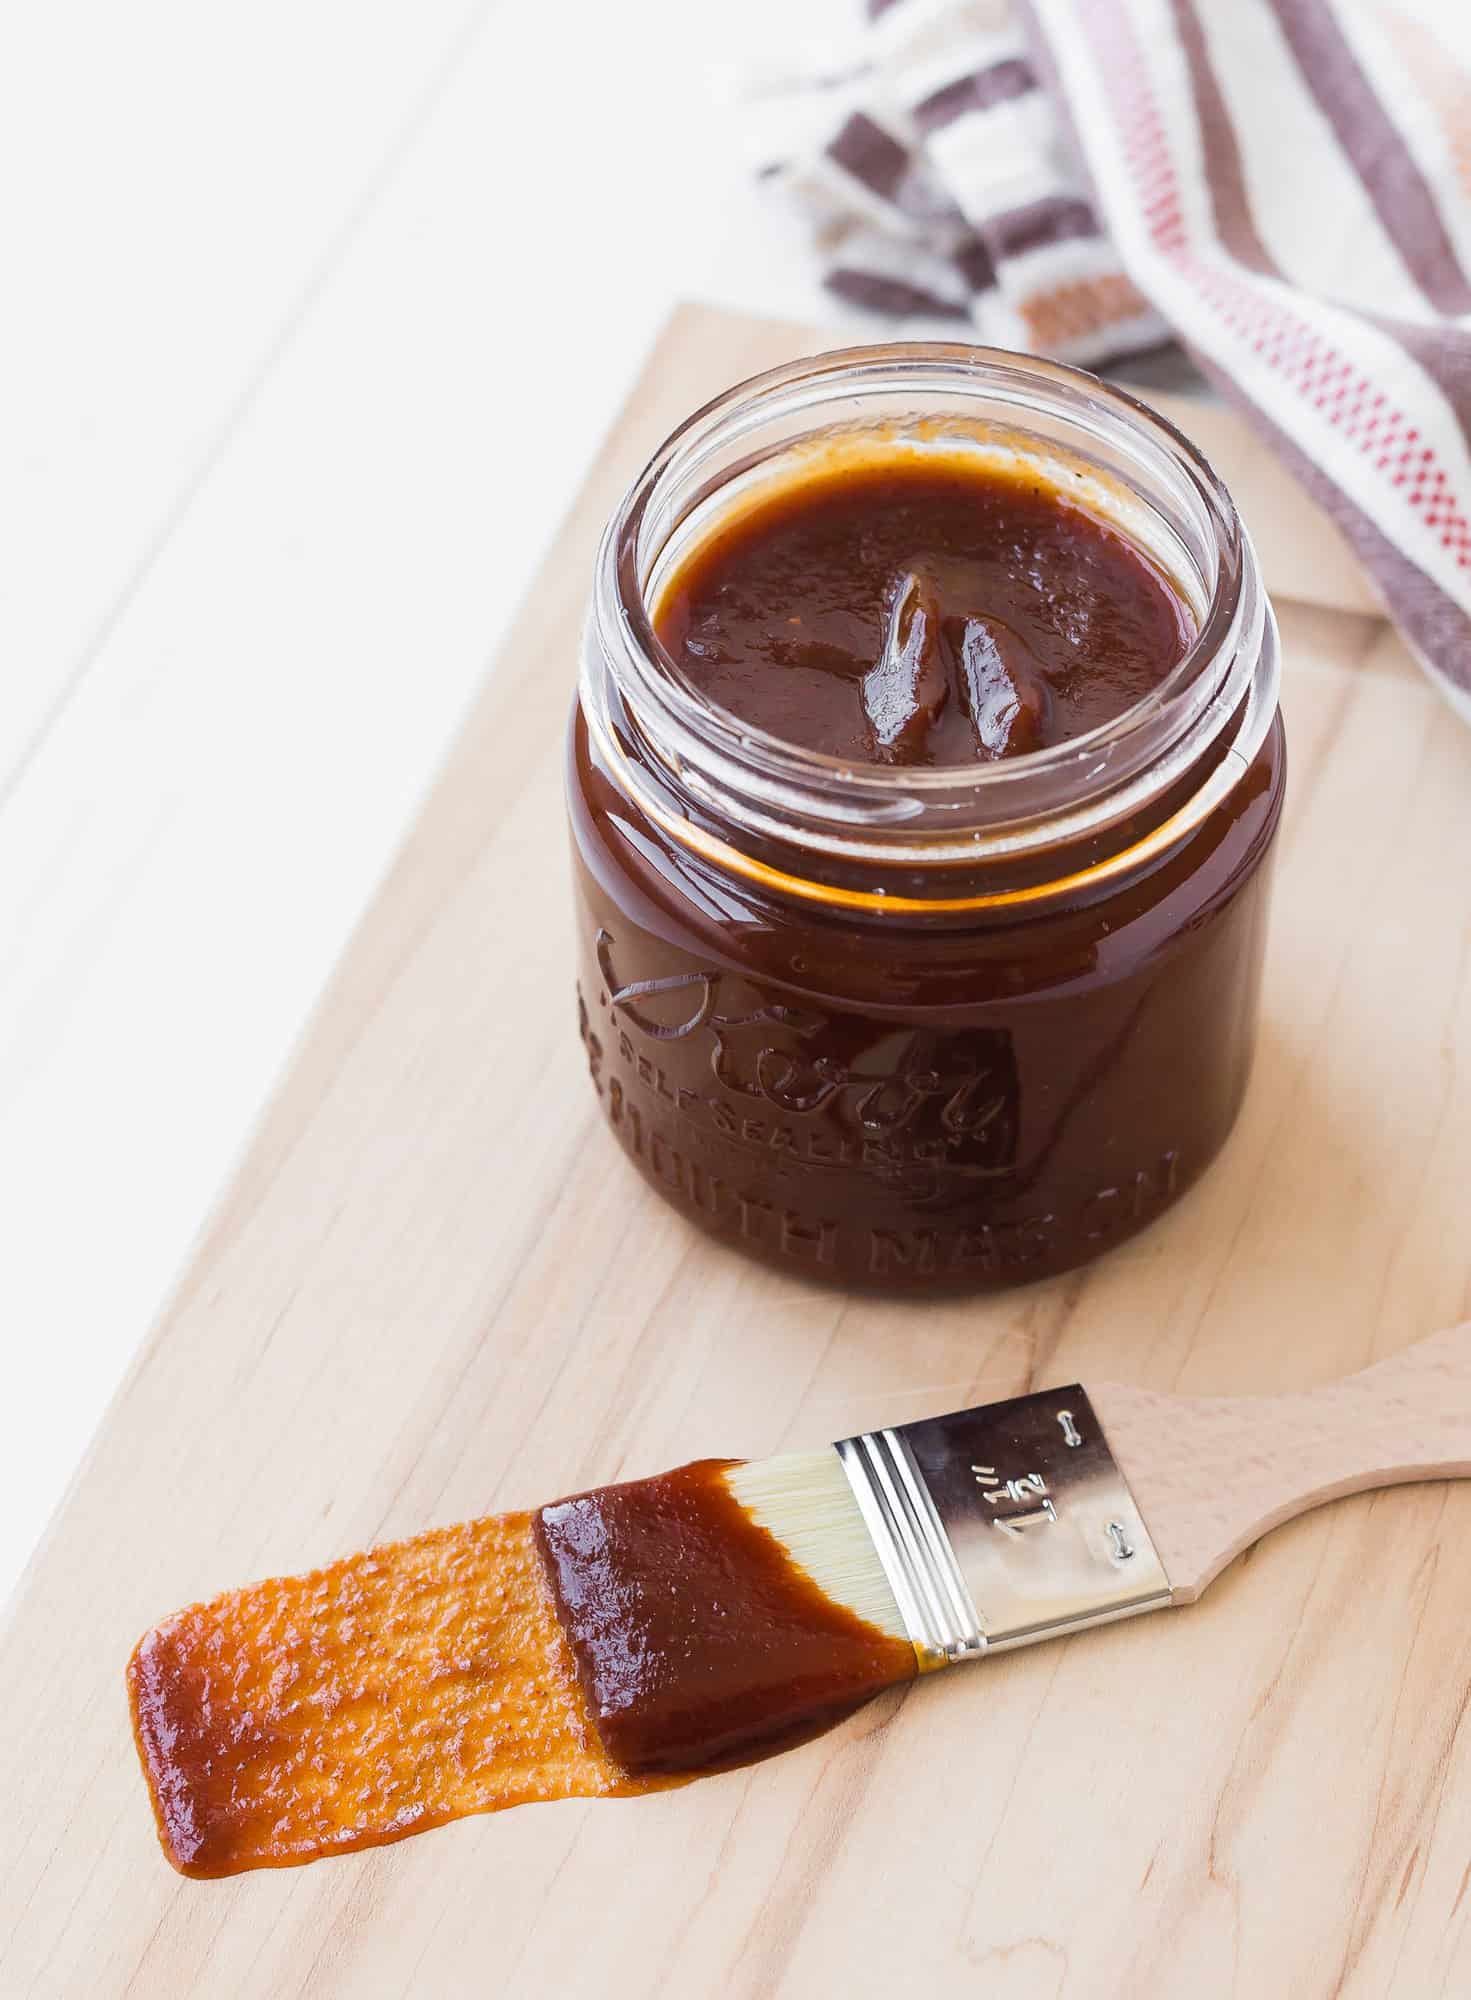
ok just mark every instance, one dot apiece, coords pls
pixel 1211 1474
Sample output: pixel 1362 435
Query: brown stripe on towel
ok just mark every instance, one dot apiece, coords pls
pixel 975 264
pixel 1225 178
pixel 1088 306
pixel 871 155
pixel 876 292
pixel 1012 77
pixel 1375 149
pixel 1056 218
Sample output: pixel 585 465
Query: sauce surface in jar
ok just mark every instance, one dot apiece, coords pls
pixel 921 612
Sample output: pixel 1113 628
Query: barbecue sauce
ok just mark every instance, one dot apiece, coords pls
pixel 380 1696
pixel 610 1645
pixel 697 1640
pixel 919 612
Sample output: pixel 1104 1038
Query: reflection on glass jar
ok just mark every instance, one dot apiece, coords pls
pixel 939 1026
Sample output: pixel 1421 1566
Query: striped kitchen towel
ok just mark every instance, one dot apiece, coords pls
pixel 1282 185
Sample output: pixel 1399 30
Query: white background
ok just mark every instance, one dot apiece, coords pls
pixel 315 311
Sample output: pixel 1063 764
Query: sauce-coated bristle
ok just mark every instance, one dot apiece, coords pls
pixel 804 1499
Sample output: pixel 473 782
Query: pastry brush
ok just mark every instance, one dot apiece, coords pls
pixel 997 1526
pixel 706 1608
pixel 637 1634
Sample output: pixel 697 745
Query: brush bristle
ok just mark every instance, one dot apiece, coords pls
pixel 804 1499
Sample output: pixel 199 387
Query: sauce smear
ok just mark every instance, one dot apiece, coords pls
pixel 385 1694
pixel 698 1640
pixel 596 1649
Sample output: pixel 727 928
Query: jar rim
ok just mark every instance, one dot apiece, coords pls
pixel 881 813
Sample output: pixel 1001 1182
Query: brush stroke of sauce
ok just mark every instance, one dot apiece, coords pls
pixel 698 1641
pixel 372 1699
pixel 433 1678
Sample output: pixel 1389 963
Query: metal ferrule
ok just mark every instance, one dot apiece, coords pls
pixel 1003 1525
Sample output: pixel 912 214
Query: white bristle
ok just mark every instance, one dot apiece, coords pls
pixel 804 1499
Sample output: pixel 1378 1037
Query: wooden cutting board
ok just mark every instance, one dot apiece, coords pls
pixel 436 1289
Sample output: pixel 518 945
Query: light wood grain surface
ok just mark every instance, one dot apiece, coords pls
pixel 1212 1474
pixel 284 439
pixel 436 1289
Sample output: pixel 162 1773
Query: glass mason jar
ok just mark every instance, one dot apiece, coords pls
pixel 924 1027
